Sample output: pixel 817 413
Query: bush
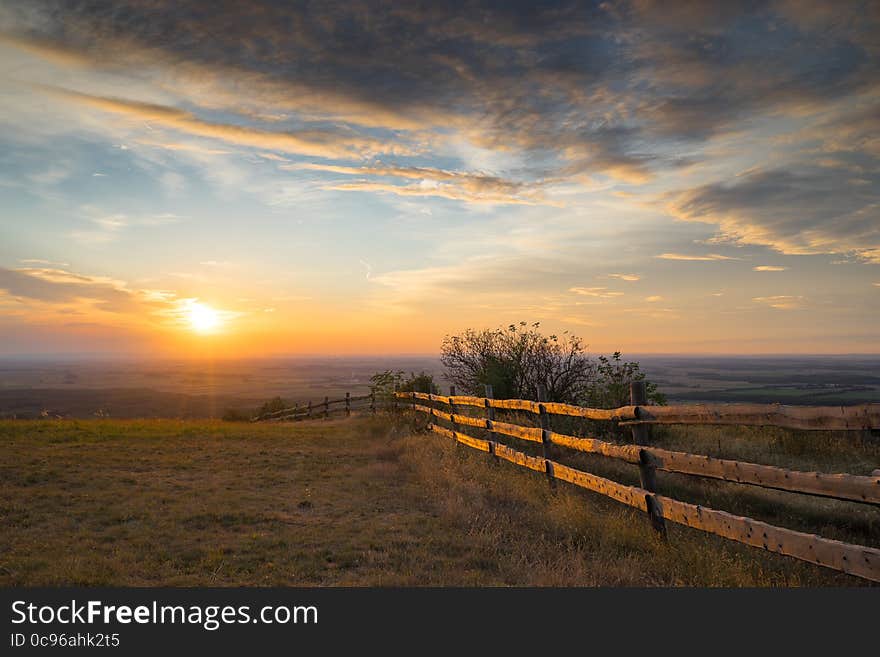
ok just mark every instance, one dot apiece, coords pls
pixel 610 385
pixel 235 415
pixel 272 406
pixel 384 384
pixel 516 360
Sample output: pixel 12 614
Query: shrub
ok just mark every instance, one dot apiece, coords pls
pixel 235 415
pixel 516 360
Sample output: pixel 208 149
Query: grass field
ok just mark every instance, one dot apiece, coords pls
pixel 363 501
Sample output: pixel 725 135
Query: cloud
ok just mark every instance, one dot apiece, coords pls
pixel 700 258
pixel 781 302
pixel 768 268
pixel 40 261
pixel 453 192
pixel 600 292
pixel 313 142
pixel 805 211
pixel 474 187
pixel 61 286
pixel 626 277
pixel 613 89
pixel 654 298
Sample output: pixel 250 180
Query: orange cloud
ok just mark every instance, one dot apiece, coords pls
pixel 318 143
pixel 705 258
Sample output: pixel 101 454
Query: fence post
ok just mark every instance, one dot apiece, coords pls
pixel 394 399
pixel 638 396
pixel 347 404
pixel 641 433
pixel 326 407
pixel 373 402
pixel 545 434
pixel 452 411
pixel 490 418
pixel 310 409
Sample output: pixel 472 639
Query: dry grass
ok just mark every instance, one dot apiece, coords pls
pixel 341 502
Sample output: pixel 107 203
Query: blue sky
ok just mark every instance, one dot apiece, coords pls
pixel 364 178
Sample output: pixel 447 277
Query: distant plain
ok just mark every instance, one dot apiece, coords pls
pixel 200 389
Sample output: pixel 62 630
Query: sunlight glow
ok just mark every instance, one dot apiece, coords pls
pixel 202 318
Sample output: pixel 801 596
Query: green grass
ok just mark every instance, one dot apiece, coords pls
pixel 358 502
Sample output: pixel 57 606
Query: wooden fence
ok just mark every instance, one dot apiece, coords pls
pixel 853 559
pixel 320 409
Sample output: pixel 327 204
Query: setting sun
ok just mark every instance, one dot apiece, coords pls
pixel 203 318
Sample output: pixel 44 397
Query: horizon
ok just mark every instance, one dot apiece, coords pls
pixel 353 181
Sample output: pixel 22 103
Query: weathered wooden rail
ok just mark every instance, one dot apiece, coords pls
pixel 320 409
pixel 856 560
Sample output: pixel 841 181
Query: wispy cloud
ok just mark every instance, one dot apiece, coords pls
pixel 460 185
pixel 698 258
pixel 781 302
pixel 626 277
pixel 768 268
pixel 313 142
pixel 449 191
pixel 601 292
pixel 40 261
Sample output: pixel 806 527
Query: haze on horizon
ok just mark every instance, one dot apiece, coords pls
pixel 253 179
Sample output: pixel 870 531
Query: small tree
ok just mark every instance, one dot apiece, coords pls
pixel 235 415
pixel 422 382
pixel 384 384
pixel 610 387
pixel 515 361
pixel 273 405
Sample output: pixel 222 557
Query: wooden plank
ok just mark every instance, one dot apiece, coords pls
pixel 864 416
pixel 629 453
pixel 469 421
pixel 470 441
pixel 629 495
pixel 860 417
pixel 463 438
pixel 433 411
pixel 443 431
pixel 533 434
pixel 515 405
pixel 853 559
pixel 623 413
pixel 462 400
pixel 514 456
pixel 839 486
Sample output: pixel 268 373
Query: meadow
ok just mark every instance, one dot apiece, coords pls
pixel 373 501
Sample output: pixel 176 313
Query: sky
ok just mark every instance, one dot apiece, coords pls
pixel 234 179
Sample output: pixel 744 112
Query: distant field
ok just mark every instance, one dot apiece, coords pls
pixel 183 389
pixel 365 501
pixel 195 389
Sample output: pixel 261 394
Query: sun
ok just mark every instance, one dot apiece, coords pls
pixel 202 318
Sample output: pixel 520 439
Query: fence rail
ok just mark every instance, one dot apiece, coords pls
pixel 310 410
pixel 856 560
pixel 861 417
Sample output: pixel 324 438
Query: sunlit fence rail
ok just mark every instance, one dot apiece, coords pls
pixel 856 560
pixel 311 410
